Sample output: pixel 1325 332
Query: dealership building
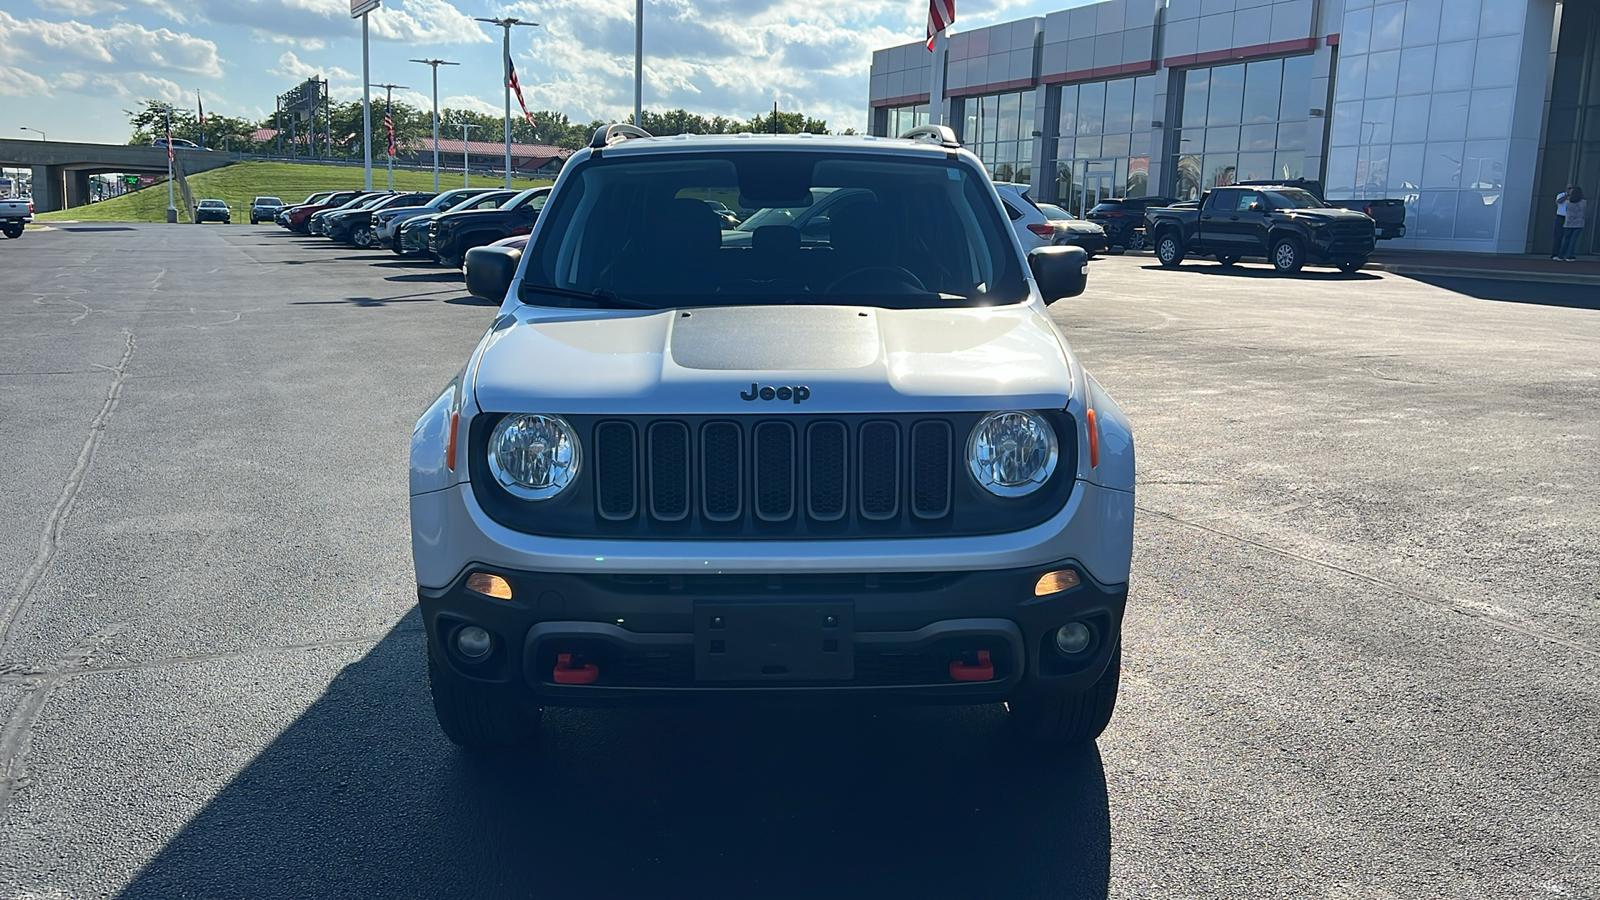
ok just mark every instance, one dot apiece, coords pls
pixel 1475 112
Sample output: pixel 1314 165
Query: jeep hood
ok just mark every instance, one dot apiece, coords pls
pixel 708 360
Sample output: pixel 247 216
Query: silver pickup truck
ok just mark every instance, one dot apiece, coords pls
pixel 13 215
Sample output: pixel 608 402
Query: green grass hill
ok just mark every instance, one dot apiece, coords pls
pixel 241 183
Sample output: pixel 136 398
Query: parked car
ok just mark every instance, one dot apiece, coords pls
pixel 1284 225
pixel 282 217
pixel 674 469
pixel 14 216
pixel 386 221
pixel 212 211
pixel 730 219
pixel 264 209
pixel 319 221
pixel 483 265
pixel 1073 231
pixel 452 234
pixel 1123 219
pixel 177 144
pixel 354 226
pixel 1388 216
pixel 813 222
pixel 299 218
pixel 411 238
pixel 1033 227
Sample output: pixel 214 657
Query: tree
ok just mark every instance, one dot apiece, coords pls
pixel 788 123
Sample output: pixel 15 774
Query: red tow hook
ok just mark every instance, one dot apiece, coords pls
pixel 567 673
pixel 983 670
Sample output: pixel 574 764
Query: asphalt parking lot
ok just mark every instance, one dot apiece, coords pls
pixel 1362 651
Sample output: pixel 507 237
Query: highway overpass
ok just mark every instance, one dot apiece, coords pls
pixel 61 169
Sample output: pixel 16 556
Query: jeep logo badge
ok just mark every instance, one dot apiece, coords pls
pixel 799 393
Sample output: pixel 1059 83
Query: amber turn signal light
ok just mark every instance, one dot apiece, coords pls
pixel 489 585
pixel 1055 582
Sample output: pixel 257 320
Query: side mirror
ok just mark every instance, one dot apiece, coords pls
pixel 1060 271
pixel 490 271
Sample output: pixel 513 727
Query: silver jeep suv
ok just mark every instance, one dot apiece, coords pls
pixel 850 457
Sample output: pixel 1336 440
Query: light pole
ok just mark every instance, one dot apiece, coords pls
pixel 466 155
pixel 507 23
pixel 388 122
pixel 40 133
pixel 435 64
pixel 638 63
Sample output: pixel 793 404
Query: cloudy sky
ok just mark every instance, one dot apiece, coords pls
pixel 70 67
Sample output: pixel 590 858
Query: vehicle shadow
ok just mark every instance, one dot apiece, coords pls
pixel 1245 270
pixel 470 300
pixel 361 796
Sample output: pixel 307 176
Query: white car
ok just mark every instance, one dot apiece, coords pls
pixel 843 463
pixel 1033 227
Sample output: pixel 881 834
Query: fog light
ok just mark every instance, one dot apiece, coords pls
pixel 489 585
pixel 1055 582
pixel 1073 638
pixel 474 642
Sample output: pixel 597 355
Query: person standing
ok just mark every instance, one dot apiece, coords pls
pixel 1561 223
pixel 1577 207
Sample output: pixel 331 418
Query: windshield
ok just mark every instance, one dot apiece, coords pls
pixel 1294 198
pixel 526 198
pixel 212 204
pixel 863 230
pixel 268 201
pixel 1054 212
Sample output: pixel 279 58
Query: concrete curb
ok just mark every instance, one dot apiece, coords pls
pixel 1485 274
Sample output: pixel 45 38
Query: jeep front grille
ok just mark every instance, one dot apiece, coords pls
pixel 787 476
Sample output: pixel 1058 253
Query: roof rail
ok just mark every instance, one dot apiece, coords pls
pixel 606 135
pixel 942 135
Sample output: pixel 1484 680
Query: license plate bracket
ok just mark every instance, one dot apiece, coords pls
pixel 774 642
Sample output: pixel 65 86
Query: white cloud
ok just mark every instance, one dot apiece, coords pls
pixel 291 66
pixel 79 7
pixel 426 22
pixel 15 82
pixel 120 47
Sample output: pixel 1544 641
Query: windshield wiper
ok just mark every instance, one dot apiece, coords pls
pixel 599 297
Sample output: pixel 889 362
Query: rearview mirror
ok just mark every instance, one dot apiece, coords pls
pixel 1060 271
pixel 490 271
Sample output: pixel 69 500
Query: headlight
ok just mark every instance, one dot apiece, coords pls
pixel 534 457
pixel 1012 453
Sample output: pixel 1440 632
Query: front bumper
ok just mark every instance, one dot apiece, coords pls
pixel 648 635
pixel 1089 241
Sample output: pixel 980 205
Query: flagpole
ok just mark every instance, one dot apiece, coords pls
pixel 388 122
pixel 505 66
pixel 172 207
pixel 638 63
pixel 202 108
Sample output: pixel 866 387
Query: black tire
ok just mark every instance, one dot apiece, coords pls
pixel 362 238
pixel 1287 257
pixel 1227 260
pixel 447 260
pixel 1058 719
pixel 1351 266
pixel 1169 250
pixel 1134 241
pixel 473 717
pixel 13 232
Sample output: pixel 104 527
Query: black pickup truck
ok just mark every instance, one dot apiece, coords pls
pixel 1388 216
pixel 451 235
pixel 1285 225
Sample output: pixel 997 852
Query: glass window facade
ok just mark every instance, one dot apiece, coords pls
pixel 999 128
pixel 904 118
pixel 1241 122
pixel 1102 141
pixel 1423 111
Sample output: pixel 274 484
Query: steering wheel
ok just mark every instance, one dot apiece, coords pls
pixel 901 274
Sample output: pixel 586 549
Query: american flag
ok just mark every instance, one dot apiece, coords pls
pixel 941 15
pixel 516 88
pixel 169 135
pixel 388 123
